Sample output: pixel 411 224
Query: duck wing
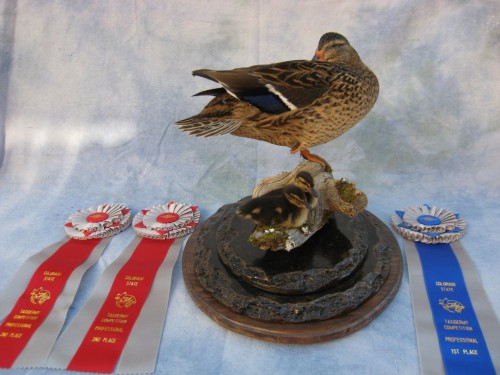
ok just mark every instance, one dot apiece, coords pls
pixel 274 88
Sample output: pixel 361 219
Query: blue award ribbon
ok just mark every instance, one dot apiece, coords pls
pixel 461 340
pixel 453 316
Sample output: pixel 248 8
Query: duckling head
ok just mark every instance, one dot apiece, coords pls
pixel 296 196
pixel 305 181
pixel 334 48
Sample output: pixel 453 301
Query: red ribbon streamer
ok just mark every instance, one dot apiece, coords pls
pixel 39 297
pixel 103 344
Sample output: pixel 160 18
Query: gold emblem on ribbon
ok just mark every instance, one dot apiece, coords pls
pixel 125 300
pixel 451 305
pixel 39 296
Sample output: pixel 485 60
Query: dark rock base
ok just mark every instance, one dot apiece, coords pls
pixel 334 272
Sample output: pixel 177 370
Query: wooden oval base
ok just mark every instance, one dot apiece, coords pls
pixel 295 333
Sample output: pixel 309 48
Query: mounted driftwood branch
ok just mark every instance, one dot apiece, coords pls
pixel 334 196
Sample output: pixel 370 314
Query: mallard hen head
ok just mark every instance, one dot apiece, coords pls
pixel 335 48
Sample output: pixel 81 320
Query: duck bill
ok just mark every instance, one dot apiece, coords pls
pixel 319 55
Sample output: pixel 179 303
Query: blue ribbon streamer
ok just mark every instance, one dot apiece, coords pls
pixel 462 344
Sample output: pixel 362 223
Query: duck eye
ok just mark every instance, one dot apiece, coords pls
pixel 338 44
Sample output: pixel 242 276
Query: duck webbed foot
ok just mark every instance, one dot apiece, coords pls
pixel 306 154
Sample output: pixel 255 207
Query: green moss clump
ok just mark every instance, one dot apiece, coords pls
pixel 347 190
pixel 266 237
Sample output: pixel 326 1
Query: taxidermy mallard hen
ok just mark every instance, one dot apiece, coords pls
pixel 298 104
pixel 287 207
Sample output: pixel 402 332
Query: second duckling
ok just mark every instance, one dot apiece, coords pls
pixel 287 207
pixel 305 182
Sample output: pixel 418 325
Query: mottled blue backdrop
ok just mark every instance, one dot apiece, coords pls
pixel 90 92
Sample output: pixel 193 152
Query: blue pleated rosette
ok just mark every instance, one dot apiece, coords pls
pixel 428 224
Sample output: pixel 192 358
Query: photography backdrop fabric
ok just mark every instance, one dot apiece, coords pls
pixel 90 92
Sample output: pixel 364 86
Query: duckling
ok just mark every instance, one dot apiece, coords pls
pixel 287 207
pixel 298 104
pixel 305 182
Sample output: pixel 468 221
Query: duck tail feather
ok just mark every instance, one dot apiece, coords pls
pixel 206 128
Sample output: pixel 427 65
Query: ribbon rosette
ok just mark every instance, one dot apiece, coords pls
pixel 428 224
pixel 166 221
pixel 98 222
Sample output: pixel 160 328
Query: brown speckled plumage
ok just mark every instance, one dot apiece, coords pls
pixel 320 99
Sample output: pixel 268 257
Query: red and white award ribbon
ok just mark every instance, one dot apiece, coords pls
pixel 119 329
pixel 37 300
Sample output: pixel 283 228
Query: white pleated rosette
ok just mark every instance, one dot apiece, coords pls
pixel 100 221
pixel 171 220
pixel 428 224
